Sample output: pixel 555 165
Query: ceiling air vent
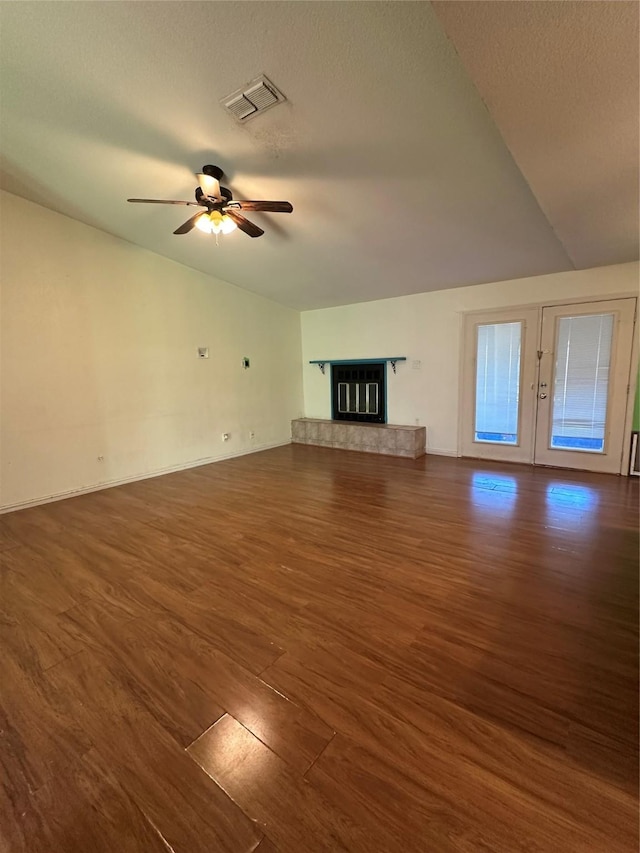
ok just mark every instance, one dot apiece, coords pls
pixel 256 97
pixel 241 107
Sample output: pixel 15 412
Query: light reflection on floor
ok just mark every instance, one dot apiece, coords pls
pixel 495 495
pixel 570 508
pixel 561 495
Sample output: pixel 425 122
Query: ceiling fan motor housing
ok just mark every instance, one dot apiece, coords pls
pixel 225 192
pixel 213 172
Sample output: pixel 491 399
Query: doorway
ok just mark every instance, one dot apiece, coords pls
pixel 549 385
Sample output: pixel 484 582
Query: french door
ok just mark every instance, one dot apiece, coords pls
pixel 500 373
pixel 550 385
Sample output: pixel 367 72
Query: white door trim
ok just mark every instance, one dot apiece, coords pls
pixel 633 366
pixel 549 303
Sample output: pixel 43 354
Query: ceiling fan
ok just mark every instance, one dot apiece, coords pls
pixel 221 213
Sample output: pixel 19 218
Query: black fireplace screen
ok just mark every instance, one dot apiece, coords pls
pixel 358 392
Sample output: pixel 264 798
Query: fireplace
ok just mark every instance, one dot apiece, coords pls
pixel 358 392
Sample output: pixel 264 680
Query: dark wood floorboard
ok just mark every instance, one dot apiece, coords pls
pixel 313 650
pixel 188 810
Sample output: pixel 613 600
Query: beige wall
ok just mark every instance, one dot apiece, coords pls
pixel 99 358
pixel 99 346
pixel 426 328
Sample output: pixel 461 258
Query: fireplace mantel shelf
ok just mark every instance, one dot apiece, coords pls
pixel 322 362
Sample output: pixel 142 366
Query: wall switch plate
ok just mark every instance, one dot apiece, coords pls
pixel 246 363
pixel 225 436
pixel 203 352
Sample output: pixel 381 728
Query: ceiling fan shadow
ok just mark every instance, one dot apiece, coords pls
pixel 343 162
pixel 271 225
pixel 16 180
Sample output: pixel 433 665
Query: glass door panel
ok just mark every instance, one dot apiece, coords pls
pixel 581 386
pixel 498 382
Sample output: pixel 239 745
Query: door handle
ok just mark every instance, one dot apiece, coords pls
pixel 542 396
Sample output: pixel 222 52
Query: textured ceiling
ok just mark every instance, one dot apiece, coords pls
pixel 400 180
pixel 560 79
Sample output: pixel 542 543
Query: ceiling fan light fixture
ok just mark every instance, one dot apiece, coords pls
pixel 216 223
pixel 204 224
pixel 228 225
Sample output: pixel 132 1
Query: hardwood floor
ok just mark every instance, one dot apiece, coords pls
pixel 315 650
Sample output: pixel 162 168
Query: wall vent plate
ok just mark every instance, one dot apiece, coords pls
pixel 255 97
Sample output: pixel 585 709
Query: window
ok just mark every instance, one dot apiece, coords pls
pixel 581 384
pixel 498 382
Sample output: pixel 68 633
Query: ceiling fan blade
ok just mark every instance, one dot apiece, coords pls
pixel 244 224
pixel 209 185
pixel 267 206
pixel 161 201
pixel 190 223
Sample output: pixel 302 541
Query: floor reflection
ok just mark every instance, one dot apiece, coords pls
pixel 570 508
pixel 494 495
pixel 561 495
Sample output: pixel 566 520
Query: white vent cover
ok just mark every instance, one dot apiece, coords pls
pixel 256 97
pixel 240 107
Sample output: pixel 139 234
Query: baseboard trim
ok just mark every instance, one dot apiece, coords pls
pixel 433 451
pixel 110 484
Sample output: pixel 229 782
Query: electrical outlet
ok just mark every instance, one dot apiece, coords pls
pixel 252 434
pixel 225 436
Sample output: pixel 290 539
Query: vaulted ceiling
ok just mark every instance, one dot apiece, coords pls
pixel 561 82
pixel 423 146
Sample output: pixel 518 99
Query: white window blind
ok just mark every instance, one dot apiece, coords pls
pixel 498 382
pixel 581 385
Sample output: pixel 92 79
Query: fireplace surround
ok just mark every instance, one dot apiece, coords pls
pixel 359 412
pixel 358 392
pixel 359 387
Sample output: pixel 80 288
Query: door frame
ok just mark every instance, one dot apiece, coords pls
pixel 553 303
pixel 528 383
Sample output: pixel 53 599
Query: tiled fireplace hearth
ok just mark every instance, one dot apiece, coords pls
pixel 387 439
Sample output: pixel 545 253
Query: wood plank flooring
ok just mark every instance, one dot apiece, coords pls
pixel 315 650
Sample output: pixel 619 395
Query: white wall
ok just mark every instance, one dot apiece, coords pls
pixel 426 327
pixel 99 358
